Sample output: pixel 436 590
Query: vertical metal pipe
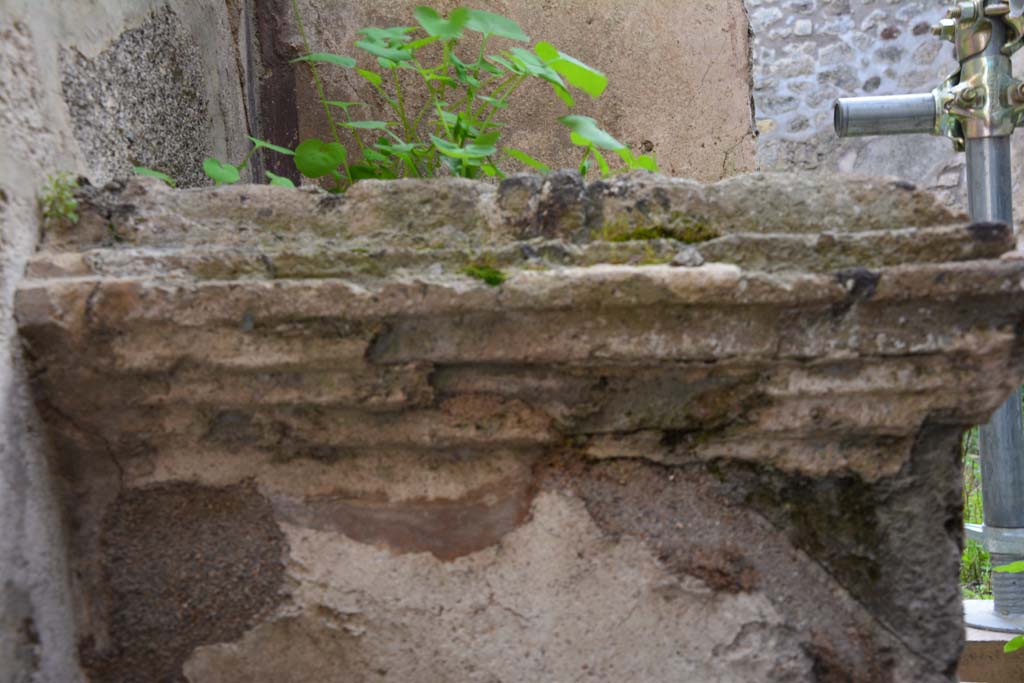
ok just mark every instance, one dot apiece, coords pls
pixel 1001 442
pixel 989 189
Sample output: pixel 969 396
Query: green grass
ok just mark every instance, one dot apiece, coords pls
pixel 975 566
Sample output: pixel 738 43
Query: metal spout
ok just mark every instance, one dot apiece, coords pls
pixel 885 115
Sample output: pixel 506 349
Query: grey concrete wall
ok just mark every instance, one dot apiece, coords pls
pixel 809 52
pixel 91 88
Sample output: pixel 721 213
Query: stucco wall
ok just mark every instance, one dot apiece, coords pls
pixel 90 88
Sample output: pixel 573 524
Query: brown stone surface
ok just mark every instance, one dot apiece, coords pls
pixel 679 75
pixel 738 469
pixel 984 661
pixel 185 566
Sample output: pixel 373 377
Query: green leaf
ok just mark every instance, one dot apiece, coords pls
pixel 646 162
pixel 585 167
pixel 564 95
pixel 487 139
pixel 436 25
pixel 220 172
pixel 440 78
pixel 343 105
pixel 373 155
pixel 384 51
pixel 1014 644
pixel 422 42
pixel 367 125
pixel 494 102
pixel 142 170
pixel 280 181
pixel 501 61
pixel 465 78
pixel 491 24
pixel 448 117
pixel 586 132
pixel 533 66
pixel 579 75
pixel 396 34
pixel 266 145
pixel 361 172
pixel 405 148
pixel 468 152
pixel 528 160
pixel 370 76
pixel 602 163
pixel 326 58
pixel 492 170
pixel 315 158
pixel 1012 568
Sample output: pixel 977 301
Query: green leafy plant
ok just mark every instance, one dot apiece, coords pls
pixel 457 129
pixel 975 565
pixel 57 199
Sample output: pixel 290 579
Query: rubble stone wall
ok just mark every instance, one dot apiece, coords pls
pixel 684 432
pixel 807 53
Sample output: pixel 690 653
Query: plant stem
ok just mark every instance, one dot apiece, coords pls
pixel 320 92
pixel 401 103
pixel 494 110
pixel 245 159
pixel 505 83
pixel 316 74
pixel 480 59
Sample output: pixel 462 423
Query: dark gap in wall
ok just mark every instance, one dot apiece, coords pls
pixel 277 115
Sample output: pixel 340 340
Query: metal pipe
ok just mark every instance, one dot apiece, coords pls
pixel 885 115
pixel 1001 441
pixel 989 189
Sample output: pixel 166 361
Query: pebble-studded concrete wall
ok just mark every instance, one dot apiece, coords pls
pixel 809 52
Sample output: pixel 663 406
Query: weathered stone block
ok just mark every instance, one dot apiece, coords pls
pixel 298 411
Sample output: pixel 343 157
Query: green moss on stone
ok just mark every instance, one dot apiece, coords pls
pixel 683 227
pixel 690 228
pixel 491 276
pixel 653 232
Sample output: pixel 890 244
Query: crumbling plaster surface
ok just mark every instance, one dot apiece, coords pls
pixel 806 53
pixel 678 75
pixel 41 134
pixel 728 452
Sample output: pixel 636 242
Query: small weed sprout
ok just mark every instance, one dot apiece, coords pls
pixel 57 200
pixel 151 173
